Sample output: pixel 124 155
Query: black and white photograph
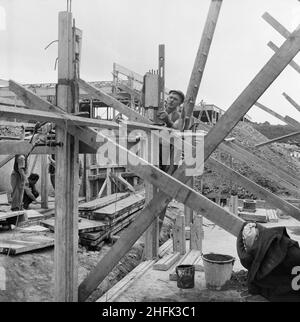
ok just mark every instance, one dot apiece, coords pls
pixel 149 154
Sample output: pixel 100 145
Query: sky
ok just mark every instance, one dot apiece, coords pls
pixel 129 32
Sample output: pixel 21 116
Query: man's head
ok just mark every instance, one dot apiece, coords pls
pixel 33 178
pixel 175 99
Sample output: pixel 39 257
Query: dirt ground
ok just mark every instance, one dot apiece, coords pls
pixel 29 276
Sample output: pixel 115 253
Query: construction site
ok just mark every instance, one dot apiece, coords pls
pixel 106 196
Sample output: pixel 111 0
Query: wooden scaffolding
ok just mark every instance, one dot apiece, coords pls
pixel 75 135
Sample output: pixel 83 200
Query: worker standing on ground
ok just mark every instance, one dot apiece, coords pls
pixel 18 180
pixel 30 192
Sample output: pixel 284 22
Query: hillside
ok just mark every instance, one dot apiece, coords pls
pixel 279 154
pixel 272 131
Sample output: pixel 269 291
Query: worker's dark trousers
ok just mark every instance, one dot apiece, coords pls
pixel 27 200
pixel 52 179
pixel 18 186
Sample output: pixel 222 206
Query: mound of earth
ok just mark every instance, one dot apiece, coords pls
pixel 276 154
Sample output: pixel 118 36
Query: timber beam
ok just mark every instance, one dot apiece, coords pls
pixel 277 139
pixel 292 63
pixel 12 147
pixel 287 120
pixel 291 101
pixel 110 101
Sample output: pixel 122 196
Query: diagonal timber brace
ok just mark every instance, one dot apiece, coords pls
pixel 291 101
pixel 290 135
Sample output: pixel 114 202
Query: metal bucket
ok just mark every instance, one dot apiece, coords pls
pixel 218 270
pixel 185 276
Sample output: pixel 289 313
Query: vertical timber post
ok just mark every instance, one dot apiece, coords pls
pixel 197 73
pixel 44 181
pixel 66 176
pixel 152 233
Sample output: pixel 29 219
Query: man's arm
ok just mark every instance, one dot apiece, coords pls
pixel 175 124
pixel 178 124
pixel 29 192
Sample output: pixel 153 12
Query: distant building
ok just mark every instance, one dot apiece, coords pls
pixel 210 113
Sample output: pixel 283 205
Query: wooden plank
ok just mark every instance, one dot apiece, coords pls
pixel 199 264
pixel 12 147
pixel 161 78
pixel 3 198
pixel 200 61
pixel 111 221
pixel 196 233
pixel 292 122
pixel 272 216
pixel 138 271
pixel 26 114
pixel 290 135
pixel 271 112
pixel 119 207
pixel 34 229
pixel 292 63
pixel 24 245
pixel 187 232
pixel 52 113
pixel 188 213
pixel 276 25
pixel 120 179
pixel 108 181
pixel 129 73
pixel 257 216
pixel 6 160
pixel 11 102
pixel 103 187
pixel 118 288
pixel 11 214
pixel 290 100
pixel 34 163
pixel 44 181
pixel 233 204
pixel 107 99
pixel 93 239
pixel 102 202
pixel 151 236
pixel 255 188
pixel 166 262
pixel 84 225
pixel 192 256
pixel 179 235
pixel 66 171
